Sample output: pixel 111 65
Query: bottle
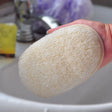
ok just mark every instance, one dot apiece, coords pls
pixel 24 18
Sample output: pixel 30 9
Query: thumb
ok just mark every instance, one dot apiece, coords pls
pixel 52 30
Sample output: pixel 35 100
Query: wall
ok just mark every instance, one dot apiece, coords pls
pixel 103 2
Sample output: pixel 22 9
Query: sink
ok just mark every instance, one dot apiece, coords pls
pixel 96 91
pixel 94 95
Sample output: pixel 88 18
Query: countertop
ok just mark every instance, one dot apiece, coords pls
pixel 101 13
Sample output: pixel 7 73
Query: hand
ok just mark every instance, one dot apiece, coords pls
pixel 105 32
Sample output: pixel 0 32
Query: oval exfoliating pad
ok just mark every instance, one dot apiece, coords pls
pixel 61 60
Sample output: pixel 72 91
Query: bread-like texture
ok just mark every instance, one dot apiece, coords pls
pixel 61 60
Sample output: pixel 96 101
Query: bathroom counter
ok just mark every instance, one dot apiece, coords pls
pixel 101 13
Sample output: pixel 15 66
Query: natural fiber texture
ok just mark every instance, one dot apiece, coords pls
pixel 61 60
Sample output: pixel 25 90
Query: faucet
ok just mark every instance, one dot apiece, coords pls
pixel 31 26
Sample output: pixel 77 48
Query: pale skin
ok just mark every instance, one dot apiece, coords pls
pixel 105 32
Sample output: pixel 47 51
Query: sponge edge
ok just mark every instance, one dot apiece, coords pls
pixel 61 60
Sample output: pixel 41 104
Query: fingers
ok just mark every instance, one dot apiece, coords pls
pixel 107 45
pixel 80 21
pixel 52 30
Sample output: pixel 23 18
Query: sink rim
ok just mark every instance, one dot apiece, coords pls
pixel 91 107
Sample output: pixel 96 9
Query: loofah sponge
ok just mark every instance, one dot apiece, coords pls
pixel 61 60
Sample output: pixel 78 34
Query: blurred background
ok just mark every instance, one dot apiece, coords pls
pixel 9 11
pixel 100 2
pixel 34 17
pixel 10 8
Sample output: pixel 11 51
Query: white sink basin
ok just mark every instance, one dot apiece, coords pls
pixel 95 93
